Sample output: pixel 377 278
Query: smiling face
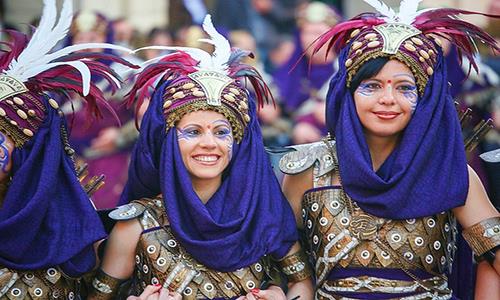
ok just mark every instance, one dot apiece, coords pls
pixel 206 142
pixel 385 102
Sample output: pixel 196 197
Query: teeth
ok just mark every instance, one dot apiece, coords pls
pixel 206 158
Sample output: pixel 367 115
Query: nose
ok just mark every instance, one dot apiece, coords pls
pixel 387 98
pixel 208 141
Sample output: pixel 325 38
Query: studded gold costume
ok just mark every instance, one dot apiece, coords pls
pixel 41 284
pixel 342 236
pixel 160 259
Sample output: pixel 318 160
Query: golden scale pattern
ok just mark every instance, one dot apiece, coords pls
pixel 160 258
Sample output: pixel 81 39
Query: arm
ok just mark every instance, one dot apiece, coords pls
pixel 118 262
pixel 478 208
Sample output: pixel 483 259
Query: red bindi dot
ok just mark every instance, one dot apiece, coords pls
pixel 389 81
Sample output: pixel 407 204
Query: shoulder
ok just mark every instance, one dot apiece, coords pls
pixel 302 157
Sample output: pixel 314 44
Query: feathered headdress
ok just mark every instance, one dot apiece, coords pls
pixel 29 69
pixel 411 36
pixel 202 81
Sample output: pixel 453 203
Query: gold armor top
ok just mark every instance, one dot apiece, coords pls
pixel 341 235
pixel 50 283
pixel 160 259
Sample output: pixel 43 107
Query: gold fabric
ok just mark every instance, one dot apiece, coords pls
pixel 341 235
pixel 483 236
pixel 160 259
pixel 104 286
pixel 296 266
pixel 40 284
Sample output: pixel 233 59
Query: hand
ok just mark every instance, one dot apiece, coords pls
pixel 272 293
pixel 156 292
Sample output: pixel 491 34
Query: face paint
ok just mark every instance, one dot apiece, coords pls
pixel 223 132
pixel 4 153
pixel 410 94
pixel 366 89
pixel 188 133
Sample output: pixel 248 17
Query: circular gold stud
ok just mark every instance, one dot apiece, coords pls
pixel 417 41
pixel 18 101
pixel 179 95
pixel 31 113
pixel 430 71
pixel 355 33
pixel 22 114
pixel 229 97
pixel 356 45
pixel 424 54
pixel 198 93
pixel 167 104
pixel 27 132
pixel 188 86
pixel 410 47
pixel 53 103
pixel 348 63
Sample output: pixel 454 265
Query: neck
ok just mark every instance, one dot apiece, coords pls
pixel 206 188
pixel 380 148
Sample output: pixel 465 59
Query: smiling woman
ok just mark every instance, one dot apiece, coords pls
pixel 380 202
pixel 206 217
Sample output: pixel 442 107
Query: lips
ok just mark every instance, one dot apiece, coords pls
pixel 386 115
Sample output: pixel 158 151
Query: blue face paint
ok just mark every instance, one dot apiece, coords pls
pixel 367 89
pixel 4 153
pixel 188 133
pixel 409 93
pixel 224 133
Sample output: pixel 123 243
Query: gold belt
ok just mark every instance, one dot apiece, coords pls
pixel 366 284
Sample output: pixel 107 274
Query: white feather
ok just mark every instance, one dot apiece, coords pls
pixel 222 50
pixel 36 57
pixel 45 37
pixel 382 8
pixel 80 66
pixel 408 10
pixel 206 61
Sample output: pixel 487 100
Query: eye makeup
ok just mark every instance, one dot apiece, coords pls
pixel 366 89
pixel 4 153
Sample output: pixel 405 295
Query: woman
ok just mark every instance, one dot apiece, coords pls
pixel 48 225
pixel 378 204
pixel 207 212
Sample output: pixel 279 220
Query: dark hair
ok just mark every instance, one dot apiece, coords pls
pixel 367 70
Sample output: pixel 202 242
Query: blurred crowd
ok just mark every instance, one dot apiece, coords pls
pixel 279 33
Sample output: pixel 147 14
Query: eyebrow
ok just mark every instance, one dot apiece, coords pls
pixel 405 75
pixel 224 122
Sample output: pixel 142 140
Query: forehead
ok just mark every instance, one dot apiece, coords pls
pixel 202 118
pixel 393 70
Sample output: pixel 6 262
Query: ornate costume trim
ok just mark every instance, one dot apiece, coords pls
pixel 483 236
pixel 305 156
pixel 104 286
pixel 296 266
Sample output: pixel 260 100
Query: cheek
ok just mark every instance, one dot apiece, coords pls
pixel 226 144
pixel 409 100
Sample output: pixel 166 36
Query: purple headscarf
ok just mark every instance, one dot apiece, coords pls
pixel 247 218
pixel 47 219
pixel 424 175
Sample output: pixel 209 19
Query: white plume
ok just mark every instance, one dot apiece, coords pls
pixel 36 57
pixel 408 10
pixel 217 61
pixel 382 8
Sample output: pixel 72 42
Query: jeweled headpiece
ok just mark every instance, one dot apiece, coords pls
pixel 410 36
pixel 203 81
pixel 29 69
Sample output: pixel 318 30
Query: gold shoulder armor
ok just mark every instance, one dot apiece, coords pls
pixel 127 212
pixel 306 155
